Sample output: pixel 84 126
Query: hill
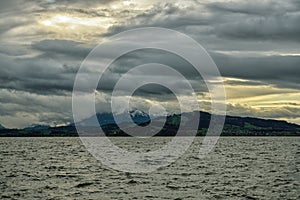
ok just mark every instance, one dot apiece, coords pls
pixel 234 126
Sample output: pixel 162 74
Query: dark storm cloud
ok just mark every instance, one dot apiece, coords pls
pixel 279 71
pixel 43 76
pixel 264 20
pixel 269 20
pixel 253 20
pixel 262 28
pixel 133 59
pixel 164 15
pixel 254 7
pixel 63 47
pixel 257 20
pixel 282 71
pixel 51 72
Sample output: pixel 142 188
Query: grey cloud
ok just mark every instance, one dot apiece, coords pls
pixel 126 62
pixel 280 27
pixel 135 58
pixel 64 47
pixel 282 71
pixel 51 72
pixel 286 112
pixel 267 20
pixel 15 104
pixel 35 75
pixel 163 15
pixel 12 5
pixel 257 20
pixel 254 7
pixel 54 70
pixel 8 23
pixel 78 2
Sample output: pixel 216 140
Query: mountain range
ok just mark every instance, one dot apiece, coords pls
pixel 234 126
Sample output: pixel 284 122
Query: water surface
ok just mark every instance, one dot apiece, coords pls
pixel 238 168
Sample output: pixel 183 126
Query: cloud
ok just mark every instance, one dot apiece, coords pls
pixel 9 6
pixel 261 28
pixel 254 7
pixel 272 112
pixel 87 3
pixel 36 75
pixel 257 20
pixel 38 63
pixel 62 47
pixel 282 71
pixel 253 20
pixel 166 15
pixel 21 109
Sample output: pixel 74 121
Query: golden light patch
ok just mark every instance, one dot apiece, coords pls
pixel 64 21
pixel 71 27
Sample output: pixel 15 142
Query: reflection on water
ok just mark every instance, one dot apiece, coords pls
pixel 238 168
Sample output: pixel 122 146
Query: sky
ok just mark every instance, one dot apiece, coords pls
pixel 255 45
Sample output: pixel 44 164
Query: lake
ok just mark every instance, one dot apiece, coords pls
pixel 238 168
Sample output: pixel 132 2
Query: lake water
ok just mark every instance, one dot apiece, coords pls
pixel 238 168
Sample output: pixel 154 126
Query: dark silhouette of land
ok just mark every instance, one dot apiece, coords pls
pixel 234 126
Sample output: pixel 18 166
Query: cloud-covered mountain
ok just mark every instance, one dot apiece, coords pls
pixel 37 127
pixel 137 116
pixel 2 127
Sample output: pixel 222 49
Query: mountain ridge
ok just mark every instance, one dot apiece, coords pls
pixel 233 126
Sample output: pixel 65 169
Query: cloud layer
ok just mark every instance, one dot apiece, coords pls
pixel 43 43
